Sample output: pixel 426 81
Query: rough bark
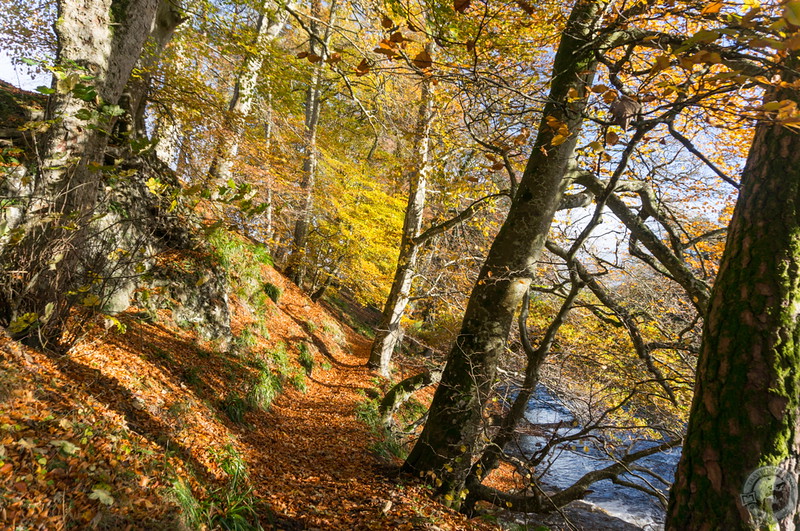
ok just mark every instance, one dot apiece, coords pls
pixel 451 436
pixel 103 39
pixel 535 358
pixel 746 404
pixel 389 332
pixel 134 98
pixel 271 22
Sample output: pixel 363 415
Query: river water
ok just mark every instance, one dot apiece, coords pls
pixel 570 462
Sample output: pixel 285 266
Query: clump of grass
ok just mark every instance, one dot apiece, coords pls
pixel 235 407
pixel 192 376
pixel 192 512
pixel 306 357
pixel 273 291
pixel 280 357
pixel 264 390
pixel 244 341
pixel 335 332
pixel 298 381
pixel 311 326
pixel 262 256
pixel 386 445
pixel 232 506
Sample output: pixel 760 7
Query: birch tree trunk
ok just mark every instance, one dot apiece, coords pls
pixel 271 22
pixel 451 437
pixel 389 331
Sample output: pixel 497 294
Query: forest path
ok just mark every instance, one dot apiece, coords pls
pixel 145 410
pixel 309 456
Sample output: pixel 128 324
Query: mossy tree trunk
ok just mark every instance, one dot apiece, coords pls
pixel 747 396
pixel 452 435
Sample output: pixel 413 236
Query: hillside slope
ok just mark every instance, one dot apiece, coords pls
pixel 155 428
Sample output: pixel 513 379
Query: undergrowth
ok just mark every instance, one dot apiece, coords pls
pixel 385 445
pixel 306 357
pixel 231 507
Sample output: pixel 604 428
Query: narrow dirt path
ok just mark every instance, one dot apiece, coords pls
pixel 309 455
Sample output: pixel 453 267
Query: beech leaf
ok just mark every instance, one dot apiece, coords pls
pixel 423 60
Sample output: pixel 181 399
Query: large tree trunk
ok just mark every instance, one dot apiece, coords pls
pixel 106 39
pixel 103 39
pixel 271 21
pixel 318 43
pixel 747 394
pixel 134 98
pixel 389 331
pixel 451 437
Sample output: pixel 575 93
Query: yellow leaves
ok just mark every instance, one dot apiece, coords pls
pixel 786 112
pixel 596 146
pixel 560 130
pixel 22 323
pixel 712 9
pixel 90 300
pixel 386 48
pixel 154 185
pixel 609 96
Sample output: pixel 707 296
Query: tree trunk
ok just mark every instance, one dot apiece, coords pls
pixel 451 437
pixel 389 331
pixel 746 404
pixel 134 98
pixel 103 39
pixel 271 21
pixel 296 269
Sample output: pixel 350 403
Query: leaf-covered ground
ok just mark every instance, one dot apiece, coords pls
pixel 130 431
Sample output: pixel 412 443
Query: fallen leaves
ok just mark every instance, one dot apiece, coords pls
pixel 68 450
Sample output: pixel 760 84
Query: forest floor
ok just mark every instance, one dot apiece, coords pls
pixel 133 430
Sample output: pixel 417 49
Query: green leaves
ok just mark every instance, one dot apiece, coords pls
pixel 103 496
pixel 792 13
